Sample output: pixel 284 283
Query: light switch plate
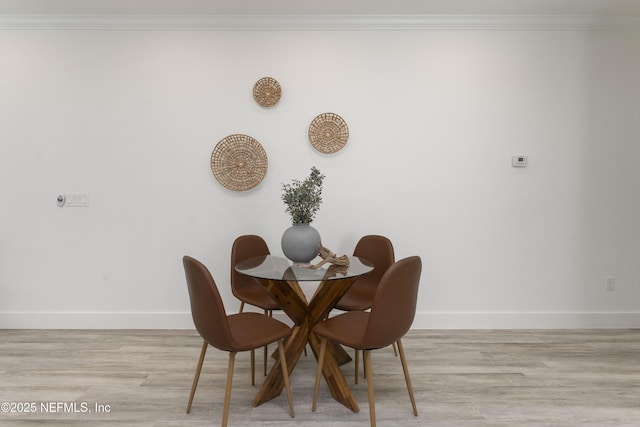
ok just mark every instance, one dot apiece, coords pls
pixel 77 200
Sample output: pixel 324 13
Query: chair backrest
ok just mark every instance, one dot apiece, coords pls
pixel 245 247
pixel 394 305
pixel 207 308
pixel 379 250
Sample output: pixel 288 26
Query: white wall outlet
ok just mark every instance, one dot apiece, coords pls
pixel 519 161
pixel 610 284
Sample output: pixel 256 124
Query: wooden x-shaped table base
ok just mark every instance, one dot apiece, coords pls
pixel 305 315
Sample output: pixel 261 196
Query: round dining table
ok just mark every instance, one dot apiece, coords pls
pixel 281 278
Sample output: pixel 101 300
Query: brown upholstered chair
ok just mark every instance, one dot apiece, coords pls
pixel 391 316
pixel 234 333
pixel 379 250
pixel 246 288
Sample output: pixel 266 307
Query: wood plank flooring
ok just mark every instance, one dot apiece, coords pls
pixel 460 378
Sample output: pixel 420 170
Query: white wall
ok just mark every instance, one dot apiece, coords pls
pixel 434 116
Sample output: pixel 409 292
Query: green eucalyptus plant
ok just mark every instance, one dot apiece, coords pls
pixel 303 198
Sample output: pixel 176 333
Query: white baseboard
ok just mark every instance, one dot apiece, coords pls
pixel 317 23
pixel 526 320
pixel 95 320
pixel 423 320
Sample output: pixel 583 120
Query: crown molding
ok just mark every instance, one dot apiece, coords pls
pixel 318 22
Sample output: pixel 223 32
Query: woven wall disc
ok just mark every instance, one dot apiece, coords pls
pixel 239 162
pixel 328 133
pixel 267 92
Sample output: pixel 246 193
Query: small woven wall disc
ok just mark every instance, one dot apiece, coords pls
pixel 267 92
pixel 328 133
pixel 239 162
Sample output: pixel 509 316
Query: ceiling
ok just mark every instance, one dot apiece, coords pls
pixel 321 7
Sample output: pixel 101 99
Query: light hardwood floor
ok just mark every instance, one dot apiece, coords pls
pixel 460 378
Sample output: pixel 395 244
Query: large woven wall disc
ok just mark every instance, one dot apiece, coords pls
pixel 239 162
pixel 328 133
pixel 267 92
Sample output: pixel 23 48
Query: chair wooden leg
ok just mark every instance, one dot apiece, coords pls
pixel 227 391
pixel 395 350
pixel 316 386
pixel 266 347
pixel 196 377
pixel 366 356
pixel 285 376
pixel 364 374
pixel 407 378
pixel 357 365
pixel 253 366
